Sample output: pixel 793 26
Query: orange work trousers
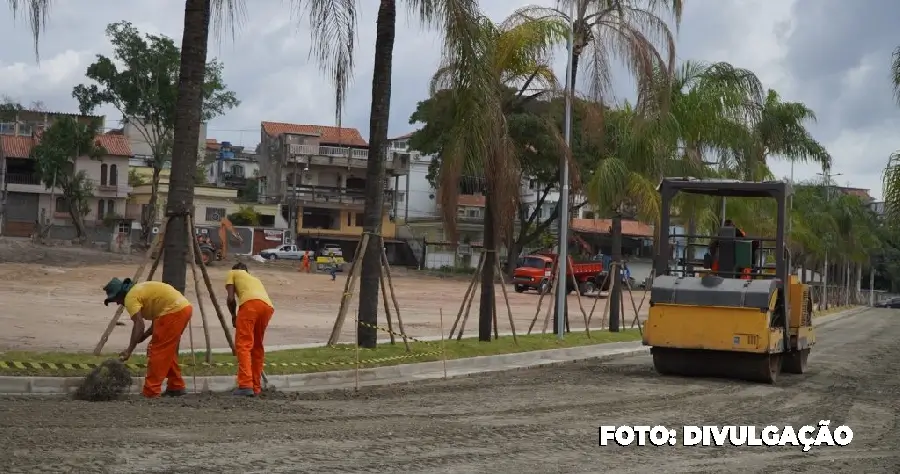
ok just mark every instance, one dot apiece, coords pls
pixel 162 353
pixel 252 320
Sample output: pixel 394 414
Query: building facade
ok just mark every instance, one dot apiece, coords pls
pixel 317 174
pixel 26 200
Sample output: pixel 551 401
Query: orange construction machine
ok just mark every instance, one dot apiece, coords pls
pixel 210 251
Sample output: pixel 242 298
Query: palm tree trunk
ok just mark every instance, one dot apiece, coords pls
pixel 615 295
pixel 149 219
pixel 486 305
pixel 386 24
pixel 180 202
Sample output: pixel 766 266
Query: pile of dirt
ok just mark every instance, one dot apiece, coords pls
pixel 107 382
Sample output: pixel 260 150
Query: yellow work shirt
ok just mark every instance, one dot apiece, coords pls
pixel 154 299
pixel 247 287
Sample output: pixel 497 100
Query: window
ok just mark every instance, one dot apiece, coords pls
pixel 110 207
pixel 100 208
pixel 237 171
pixel 124 228
pixel 215 214
pixel 61 205
pixel 461 211
pixel 7 128
pixel 589 215
pixel 113 176
pixel 103 171
pixel 25 129
pixel 360 219
pixel 349 219
pixel 473 213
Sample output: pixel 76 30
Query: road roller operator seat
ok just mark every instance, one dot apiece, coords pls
pixel 728 255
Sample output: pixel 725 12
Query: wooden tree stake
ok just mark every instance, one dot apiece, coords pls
pixel 571 268
pixel 212 294
pixel 348 292
pixel 599 291
pixel 478 271
pixel 512 325
pixel 386 271
pixel 193 262
pixel 469 290
pixel 537 310
pixel 156 246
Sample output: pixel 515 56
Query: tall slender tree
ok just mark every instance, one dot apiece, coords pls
pixel 514 55
pixel 333 27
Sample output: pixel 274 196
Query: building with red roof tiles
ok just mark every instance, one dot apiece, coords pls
pixel 318 174
pixel 27 198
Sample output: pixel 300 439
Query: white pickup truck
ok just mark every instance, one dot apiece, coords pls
pixel 286 252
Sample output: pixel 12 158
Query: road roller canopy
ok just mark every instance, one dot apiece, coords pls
pixel 730 252
pixel 725 187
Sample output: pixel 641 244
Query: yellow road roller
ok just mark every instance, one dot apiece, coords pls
pixel 731 314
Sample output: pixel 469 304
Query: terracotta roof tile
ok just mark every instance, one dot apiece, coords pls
pixel 327 135
pixel 212 144
pixel 116 145
pixel 20 147
pixel 16 147
pixel 604 226
pixel 470 200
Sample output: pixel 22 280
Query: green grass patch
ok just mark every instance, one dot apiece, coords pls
pixel 321 359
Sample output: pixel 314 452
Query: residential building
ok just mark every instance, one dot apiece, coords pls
pixel 27 200
pixel 230 166
pixel 318 175
pixel 211 205
pixel 140 136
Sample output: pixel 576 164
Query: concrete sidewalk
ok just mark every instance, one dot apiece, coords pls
pixel 319 381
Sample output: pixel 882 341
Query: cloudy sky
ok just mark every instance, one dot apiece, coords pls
pixel 831 54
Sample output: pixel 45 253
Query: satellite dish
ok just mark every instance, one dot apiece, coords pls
pixel 215 216
pixel 155 230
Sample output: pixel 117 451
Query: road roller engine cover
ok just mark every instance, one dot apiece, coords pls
pixel 733 314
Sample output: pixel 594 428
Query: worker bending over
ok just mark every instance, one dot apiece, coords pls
pixel 169 313
pixel 250 316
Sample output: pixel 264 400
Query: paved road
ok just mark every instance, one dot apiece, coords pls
pixel 539 420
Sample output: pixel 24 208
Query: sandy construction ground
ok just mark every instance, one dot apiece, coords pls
pixel 51 300
pixel 537 420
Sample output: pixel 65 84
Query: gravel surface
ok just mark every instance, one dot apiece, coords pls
pixel 536 420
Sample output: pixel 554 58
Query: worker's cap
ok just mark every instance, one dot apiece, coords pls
pixel 114 287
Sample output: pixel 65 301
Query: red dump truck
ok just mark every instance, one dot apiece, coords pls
pixel 535 273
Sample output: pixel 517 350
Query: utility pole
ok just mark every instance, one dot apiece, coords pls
pixel 562 256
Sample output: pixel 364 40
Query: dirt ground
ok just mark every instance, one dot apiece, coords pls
pixel 52 301
pixel 536 420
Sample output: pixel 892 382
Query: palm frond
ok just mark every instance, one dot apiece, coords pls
pixel 36 13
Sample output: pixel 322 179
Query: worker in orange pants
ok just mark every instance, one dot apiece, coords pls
pixel 306 261
pixel 169 313
pixel 251 310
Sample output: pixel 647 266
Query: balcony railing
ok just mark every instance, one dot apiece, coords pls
pixel 344 156
pixel 22 178
pixel 323 195
pixel 334 151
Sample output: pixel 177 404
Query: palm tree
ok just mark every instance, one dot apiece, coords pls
pixel 514 55
pixel 333 26
pixel 630 30
pixel 891 176
pixel 624 183
pixel 36 13
pixel 180 201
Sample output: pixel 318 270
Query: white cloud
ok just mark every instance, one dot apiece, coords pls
pixel 269 67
